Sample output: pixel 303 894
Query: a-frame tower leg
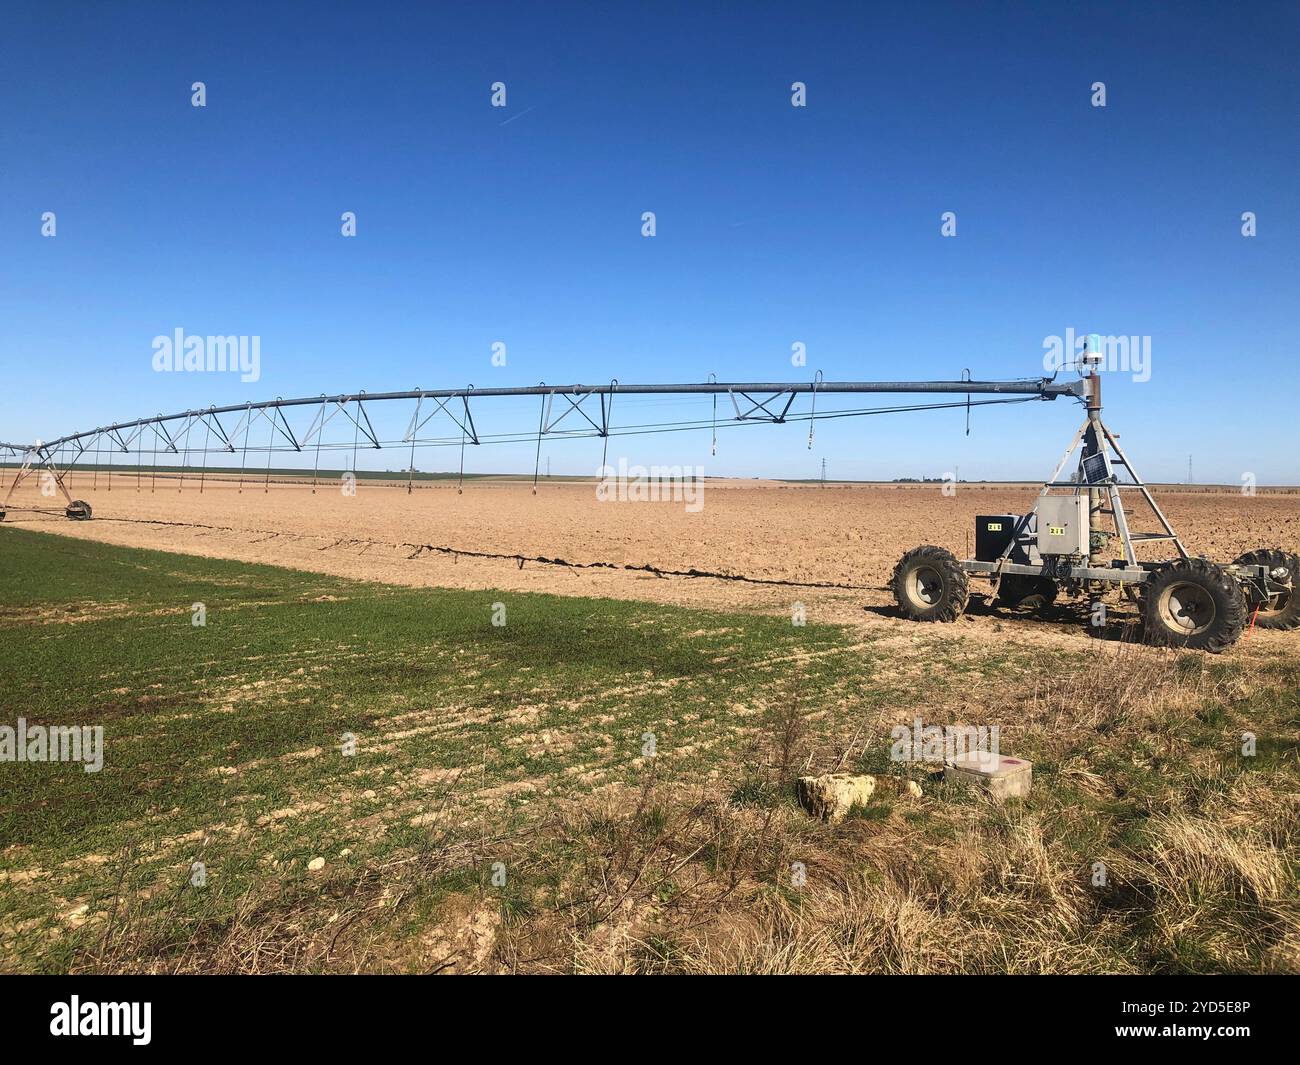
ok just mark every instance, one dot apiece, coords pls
pixel 39 459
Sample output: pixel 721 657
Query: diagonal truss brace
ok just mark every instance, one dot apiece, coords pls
pixel 37 458
pixel 601 427
pixel 367 428
pixel 465 423
pixel 756 405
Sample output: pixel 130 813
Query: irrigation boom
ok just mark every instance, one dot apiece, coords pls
pixel 775 391
pixel 1061 544
pixel 752 402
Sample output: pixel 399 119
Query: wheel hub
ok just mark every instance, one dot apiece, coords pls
pixel 1276 602
pixel 1187 608
pixel 927 586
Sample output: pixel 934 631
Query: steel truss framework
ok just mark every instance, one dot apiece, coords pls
pixel 565 411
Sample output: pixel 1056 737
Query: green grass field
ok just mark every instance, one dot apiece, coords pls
pixel 502 810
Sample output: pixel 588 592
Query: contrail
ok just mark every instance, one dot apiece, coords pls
pixel 520 115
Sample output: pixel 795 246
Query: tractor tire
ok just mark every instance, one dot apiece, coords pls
pixel 929 585
pixel 1193 603
pixel 1033 593
pixel 1278 611
pixel 78 510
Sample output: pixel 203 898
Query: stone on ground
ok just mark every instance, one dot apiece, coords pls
pixel 832 795
pixel 900 786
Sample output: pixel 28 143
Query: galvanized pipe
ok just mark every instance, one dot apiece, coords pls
pixel 1044 387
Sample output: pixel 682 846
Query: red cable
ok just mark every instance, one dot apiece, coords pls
pixel 1252 620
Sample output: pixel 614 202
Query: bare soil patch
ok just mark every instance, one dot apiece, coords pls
pixel 830 548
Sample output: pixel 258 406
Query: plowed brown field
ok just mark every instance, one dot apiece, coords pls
pixel 831 548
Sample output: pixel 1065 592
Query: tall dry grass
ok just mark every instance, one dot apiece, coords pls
pixel 1199 852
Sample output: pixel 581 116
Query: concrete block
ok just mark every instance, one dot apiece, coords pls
pixel 1001 777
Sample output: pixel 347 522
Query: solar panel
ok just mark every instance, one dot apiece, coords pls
pixel 1096 470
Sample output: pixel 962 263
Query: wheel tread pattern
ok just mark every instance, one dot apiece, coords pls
pixel 956 584
pixel 1289 616
pixel 1230 606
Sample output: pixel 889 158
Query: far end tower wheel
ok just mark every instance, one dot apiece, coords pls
pixel 1281 609
pixel 929 585
pixel 1193 603
pixel 78 510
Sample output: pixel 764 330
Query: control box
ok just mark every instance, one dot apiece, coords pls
pixel 1063 525
pixel 992 534
pixel 994 531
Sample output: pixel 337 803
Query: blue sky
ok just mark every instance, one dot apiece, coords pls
pixel 775 224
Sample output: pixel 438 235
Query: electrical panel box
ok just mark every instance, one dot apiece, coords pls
pixel 994 531
pixel 1063 525
pixel 992 534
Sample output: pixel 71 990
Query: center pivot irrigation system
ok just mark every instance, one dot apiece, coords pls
pixel 1062 544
